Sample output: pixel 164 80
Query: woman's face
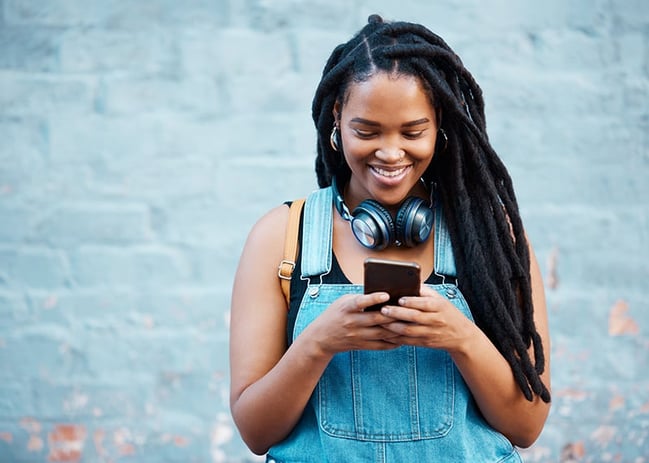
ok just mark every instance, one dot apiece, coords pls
pixel 388 128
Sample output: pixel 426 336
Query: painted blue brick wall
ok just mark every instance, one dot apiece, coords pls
pixel 139 141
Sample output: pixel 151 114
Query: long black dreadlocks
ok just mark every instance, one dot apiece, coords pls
pixel 474 186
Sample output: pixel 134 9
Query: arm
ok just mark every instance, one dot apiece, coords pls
pixel 437 323
pixel 270 384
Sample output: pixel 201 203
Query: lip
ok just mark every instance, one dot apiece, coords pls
pixel 390 175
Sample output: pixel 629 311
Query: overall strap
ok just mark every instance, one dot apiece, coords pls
pixel 317 233
pixel 444 258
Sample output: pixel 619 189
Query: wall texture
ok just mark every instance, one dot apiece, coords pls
pixel 139 141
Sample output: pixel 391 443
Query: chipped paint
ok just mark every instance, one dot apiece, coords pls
pixel 616 402
pixel 644 408
pixel 619 322
pixel 121 436
pixel 126 449
pixel 222 432
pixel 31 425
pixel 123 440
pixel 66 442
pixel 571 393
pixel 76 401
pixel 572 452
pixel 98 439
pixel 604 434
pixel 35 444
pixel 176 440
pixel 181 441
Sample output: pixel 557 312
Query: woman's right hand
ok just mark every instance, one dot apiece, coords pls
pixel 346 326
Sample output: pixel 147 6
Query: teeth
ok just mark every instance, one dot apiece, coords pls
pixel 389 173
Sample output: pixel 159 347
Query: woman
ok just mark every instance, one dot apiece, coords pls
pixel 459 372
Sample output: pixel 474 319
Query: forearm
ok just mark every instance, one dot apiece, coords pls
pixel 267 410
pixel 497 393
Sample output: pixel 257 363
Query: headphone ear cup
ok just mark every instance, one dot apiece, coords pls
pixel 414 222
pixel 372 225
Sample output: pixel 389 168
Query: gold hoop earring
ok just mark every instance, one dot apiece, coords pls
pixel 333 138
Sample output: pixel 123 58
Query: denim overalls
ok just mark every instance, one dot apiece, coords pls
pixel 404 405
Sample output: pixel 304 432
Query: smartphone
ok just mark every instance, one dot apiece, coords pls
pixel 395 277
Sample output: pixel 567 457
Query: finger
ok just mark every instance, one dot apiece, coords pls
pixel 428 300
pixel 375 318
pixel 380 345
pixel 407 333
pixel 363 301
pixel 406 314
pixel 376 333
pixel 406 341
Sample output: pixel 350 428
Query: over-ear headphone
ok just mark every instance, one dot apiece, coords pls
pixel 374 227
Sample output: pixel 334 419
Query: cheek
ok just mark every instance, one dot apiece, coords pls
pixel 355 148
pixel 423 150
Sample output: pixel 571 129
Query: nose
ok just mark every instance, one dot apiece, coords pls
pixel 390 154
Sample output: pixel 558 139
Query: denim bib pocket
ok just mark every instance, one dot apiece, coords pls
pixel 387 396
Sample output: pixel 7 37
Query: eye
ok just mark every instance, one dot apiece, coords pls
pixel 413 134
pixel 364 134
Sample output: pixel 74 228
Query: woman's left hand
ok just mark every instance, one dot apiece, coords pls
pixel 429 320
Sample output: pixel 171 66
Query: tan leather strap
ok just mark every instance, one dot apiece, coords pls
pixel 287 265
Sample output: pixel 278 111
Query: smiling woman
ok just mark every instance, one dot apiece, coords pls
pixel 459 372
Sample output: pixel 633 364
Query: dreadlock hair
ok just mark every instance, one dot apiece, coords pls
pixel 492 257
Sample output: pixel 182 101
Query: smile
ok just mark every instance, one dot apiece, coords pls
pixel 389 172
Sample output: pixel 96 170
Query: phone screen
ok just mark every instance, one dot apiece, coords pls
pixel 397 278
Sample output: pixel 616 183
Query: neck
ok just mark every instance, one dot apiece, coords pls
pixel 420 190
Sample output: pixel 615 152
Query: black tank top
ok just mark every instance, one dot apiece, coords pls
pixel 335 276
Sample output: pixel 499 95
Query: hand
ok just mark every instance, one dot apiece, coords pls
pixel 429 320
pixel 345 326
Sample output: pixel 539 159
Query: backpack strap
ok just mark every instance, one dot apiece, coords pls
pixel 287 265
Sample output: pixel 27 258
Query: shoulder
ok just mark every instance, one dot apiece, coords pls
pixel 275 216
pixel 270 229
pixel 260 257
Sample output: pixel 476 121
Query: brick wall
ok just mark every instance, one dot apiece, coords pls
pixel 139 141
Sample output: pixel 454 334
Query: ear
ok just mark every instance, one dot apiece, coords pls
pixel 336 111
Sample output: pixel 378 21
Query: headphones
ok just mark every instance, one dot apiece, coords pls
pixel 374 227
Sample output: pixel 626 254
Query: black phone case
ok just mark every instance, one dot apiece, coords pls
pixel 397 278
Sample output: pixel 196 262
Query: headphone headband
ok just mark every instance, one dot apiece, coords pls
pixel 374 227
pixel 339 201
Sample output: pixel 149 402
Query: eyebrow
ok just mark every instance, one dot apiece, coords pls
pixel 360 120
